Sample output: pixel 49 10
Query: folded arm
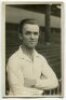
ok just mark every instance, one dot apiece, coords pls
pixel 50 80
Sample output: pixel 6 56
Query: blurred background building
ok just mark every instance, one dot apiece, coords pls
pixel 49 19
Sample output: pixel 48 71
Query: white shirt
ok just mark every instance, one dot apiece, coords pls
pixel 23 73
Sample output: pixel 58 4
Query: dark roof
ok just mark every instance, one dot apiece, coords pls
pixel 41 8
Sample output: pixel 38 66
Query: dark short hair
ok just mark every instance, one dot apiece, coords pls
pixel 26 21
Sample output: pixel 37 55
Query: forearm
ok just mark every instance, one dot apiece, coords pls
pixel 26 91
pixel 46 84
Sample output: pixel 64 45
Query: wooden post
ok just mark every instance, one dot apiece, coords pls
pixel 47 23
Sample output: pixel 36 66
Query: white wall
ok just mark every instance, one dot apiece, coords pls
pixel 15 15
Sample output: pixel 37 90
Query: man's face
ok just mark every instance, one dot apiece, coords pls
pixel 30 35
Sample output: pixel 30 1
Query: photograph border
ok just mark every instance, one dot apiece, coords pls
pixel 4 46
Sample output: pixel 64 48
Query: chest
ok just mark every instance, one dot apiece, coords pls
pixel 31 69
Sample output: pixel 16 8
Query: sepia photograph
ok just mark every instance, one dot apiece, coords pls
pixel 33 50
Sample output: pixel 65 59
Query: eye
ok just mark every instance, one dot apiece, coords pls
pixel 36 33
pixel 28 33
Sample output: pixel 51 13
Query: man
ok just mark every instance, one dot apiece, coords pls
pixel 29 74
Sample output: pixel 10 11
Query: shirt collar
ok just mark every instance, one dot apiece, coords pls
pixel 23 56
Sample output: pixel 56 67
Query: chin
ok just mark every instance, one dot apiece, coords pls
pixel 31 47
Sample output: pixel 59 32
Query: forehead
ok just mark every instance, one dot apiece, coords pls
pixel 31 27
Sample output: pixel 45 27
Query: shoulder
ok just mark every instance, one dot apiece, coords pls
pixel 42 58
pixel 13 60
pixel 43 62
pixel 13 57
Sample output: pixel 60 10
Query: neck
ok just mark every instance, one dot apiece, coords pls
pixel 28 51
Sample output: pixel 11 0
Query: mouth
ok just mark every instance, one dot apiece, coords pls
pixel 32 42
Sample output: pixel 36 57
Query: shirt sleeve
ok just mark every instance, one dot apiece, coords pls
pixel 49 81
pixel 15 77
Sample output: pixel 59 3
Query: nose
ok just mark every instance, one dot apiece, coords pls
pixel 32 36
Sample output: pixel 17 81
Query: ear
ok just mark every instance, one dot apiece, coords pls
pixel 20 36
